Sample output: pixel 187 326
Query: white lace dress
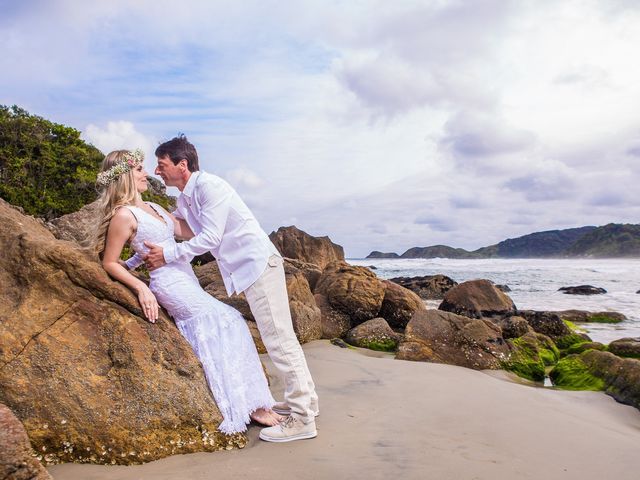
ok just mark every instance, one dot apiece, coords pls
pixel 217 332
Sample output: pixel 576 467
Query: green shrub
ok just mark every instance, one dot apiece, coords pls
pixel 45 167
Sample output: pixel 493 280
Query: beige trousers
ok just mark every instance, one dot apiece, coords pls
pixel 269 304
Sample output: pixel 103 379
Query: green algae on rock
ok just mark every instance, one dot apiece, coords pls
pixel 530 355
pixel 374 334
pixel 572 374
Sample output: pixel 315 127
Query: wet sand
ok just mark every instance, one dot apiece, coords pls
pixel 384 418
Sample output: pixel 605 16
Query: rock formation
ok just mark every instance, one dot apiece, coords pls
pixel 89 378
pixel 444 337
pixel 626 347
pixel 583 316
pixel 292 242
pixel 78 226
pixel 582 290
pixel 477 299
pixel 429 287
pixel 374 334
pixel 17 458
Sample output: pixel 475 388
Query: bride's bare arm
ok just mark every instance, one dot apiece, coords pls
pixel 121 228
pixel 181 230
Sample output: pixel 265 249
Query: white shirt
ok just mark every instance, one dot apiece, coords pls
pixel 223 225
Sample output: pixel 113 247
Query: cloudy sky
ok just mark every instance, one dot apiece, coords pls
pixel 385 125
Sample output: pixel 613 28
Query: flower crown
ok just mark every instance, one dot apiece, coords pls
pixel 130 160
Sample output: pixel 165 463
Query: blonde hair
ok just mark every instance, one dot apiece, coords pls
pixel 121 191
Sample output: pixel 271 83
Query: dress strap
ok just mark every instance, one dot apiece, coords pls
pixel 133 209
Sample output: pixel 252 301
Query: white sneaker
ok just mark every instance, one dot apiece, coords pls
pixel 288 430
pixel 281 408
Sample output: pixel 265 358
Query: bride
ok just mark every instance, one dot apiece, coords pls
pixel 217 332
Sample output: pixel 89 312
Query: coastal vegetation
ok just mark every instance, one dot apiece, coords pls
pixel 45 167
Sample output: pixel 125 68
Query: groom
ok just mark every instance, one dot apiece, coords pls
pixel 249 263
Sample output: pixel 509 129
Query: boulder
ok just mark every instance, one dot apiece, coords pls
pixel 477 299
pixel 17 459
pixel 595 370
pixel 444 337
pixel 311 271
pixel 583 347
pixel 583 316
pixel 354 291
pixel 210 279
pixel 626 347
pixel 305 313
pixel 582 290
pixel 89 378
pixel 512 327
pixel 547 323
pixel 430 287
pixel 374 334
pixel 292 242
pixel 530 354
pixel 399 305
pixel 334 324
pixel 79 227
pixel 503 288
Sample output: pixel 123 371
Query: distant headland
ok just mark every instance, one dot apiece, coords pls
pixel 609 241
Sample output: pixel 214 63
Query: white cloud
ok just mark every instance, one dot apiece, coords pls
pixel 243 177
pixel 481 119
pixel 120 135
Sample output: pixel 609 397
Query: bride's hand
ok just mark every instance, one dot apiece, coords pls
pixel 148 303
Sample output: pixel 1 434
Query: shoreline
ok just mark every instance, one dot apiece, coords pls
pixel 382 417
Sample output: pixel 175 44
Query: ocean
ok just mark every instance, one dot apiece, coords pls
pixel 534 284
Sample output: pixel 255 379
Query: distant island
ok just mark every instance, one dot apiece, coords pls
pixel 609 241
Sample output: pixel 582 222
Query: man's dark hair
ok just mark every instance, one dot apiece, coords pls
pixel 177 149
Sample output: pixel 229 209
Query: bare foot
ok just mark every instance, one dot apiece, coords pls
pixel 265 417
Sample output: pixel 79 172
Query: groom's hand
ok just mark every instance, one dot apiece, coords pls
pixel 155 258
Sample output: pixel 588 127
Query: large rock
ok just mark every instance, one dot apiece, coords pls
pixel 477 299
pixel 374 334
pixel 354 291
pixel 17 461
pixel 626 347
pixel 444 337
pixel 583 316
pixel 513 327
pixel 399 305
pixel 596 370
pixel 311 271
pixel 211 280
pixel 530 354
pixel 79 227
pixel 582 290
pixel 89 378
pixel 292 242
pixel 334 323
pixel 305 314
pixel 430 287
pixel 547 323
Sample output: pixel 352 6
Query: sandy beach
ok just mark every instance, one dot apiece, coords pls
pixel 383 418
